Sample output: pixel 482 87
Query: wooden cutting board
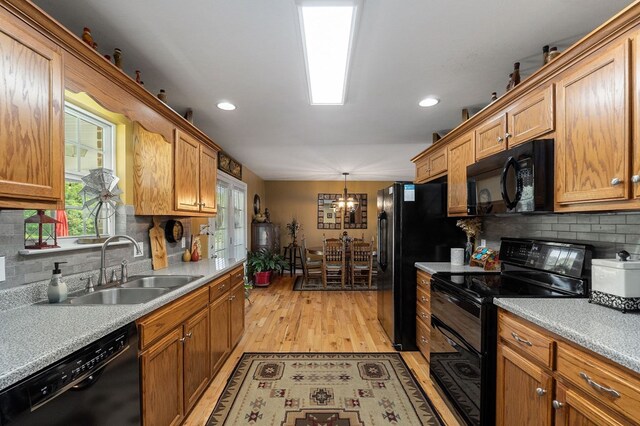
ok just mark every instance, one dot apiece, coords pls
pixel 158 246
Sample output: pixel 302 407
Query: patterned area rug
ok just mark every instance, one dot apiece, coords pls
pixel 313 389
pixel 316 284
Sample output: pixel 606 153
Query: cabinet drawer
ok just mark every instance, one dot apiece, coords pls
pixel 607 383
pixel 423 279
pixel 422 337
pixel 219 287
pixel 536 344
pixel 162 321
pixel 423 305
pixel 237 276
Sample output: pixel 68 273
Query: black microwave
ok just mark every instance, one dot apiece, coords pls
pixel 518 180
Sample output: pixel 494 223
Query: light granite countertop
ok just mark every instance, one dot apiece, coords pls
pixel 435 267
pixel 603 330
pixel 35 336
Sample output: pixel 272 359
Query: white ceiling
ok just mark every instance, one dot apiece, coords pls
pixel 249 52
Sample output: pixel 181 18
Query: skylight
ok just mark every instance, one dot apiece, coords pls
pixel 327 34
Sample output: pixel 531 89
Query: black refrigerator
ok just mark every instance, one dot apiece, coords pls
pixel 412 227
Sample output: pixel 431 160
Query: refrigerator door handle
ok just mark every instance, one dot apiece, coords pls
pixel 382 240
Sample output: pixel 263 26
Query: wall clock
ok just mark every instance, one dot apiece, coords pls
pixel 173 230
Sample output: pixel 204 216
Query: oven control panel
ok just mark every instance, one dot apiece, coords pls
pixel 560 258
pixel 77 368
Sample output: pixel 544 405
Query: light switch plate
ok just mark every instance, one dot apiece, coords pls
pixel 183 243
pixel 135 253
pixel 3 276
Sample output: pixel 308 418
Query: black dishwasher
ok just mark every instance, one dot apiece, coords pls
pixel 95 386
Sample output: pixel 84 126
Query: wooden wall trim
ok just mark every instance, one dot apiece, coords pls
pixel 605 33
pixel 36 18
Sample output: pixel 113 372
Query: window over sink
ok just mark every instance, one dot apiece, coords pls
pixel 89 144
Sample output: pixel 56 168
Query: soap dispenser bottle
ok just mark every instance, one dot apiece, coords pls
pixel 57 291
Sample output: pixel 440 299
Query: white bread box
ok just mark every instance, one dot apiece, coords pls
pixel 616 284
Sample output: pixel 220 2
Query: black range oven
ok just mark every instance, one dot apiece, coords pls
pixel 464 318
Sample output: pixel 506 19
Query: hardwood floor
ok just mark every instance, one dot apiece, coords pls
pixel 282 320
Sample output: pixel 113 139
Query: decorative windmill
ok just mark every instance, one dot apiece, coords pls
pixel 100 188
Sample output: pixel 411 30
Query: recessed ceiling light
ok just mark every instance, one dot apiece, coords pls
pixel 428 102
pixel 328 33
pixel 227 106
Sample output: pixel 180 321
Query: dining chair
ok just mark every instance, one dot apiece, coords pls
pixel 361 263
pixel 333 262
pixel 311 263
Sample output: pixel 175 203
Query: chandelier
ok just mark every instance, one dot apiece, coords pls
pixel 345 202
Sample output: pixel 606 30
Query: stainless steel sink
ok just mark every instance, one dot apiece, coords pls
pixel 119 296
pixel 159 281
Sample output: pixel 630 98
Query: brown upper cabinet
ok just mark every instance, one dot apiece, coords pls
pixel 153 177
pixel 635 150
pixel 490 136
pixel 432 166
pixel 460 155
pixel 592 139
pixel 527 118
pixel 31 112
pixel 195 167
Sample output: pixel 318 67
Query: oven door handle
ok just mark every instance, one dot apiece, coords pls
pixel 510 204
pixel 453 338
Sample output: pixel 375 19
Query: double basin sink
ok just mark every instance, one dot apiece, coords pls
pixel 138 289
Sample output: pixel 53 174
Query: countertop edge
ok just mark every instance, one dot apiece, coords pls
pixel 72 344
pixel 578 338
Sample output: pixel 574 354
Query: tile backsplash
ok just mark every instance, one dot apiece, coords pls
pixel 607 232
pixel 28 269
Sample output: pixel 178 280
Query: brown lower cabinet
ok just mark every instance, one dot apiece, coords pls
pixel 184 344
pixel 423 312
pixel 571 387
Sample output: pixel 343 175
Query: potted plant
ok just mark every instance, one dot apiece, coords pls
pixel 262 263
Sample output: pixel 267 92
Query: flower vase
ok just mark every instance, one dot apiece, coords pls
pixel 468 251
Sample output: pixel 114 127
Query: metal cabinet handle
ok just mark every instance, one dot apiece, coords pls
pixel 423 340
pixel 424 282
pixel 202 204
pixel 183 339
pixel 520 339
pixel 424 299
pixel 507 135
pixel 423 315
pixel 615 181
pixel 609 391
pixel 499 139
pixel 189 334
pixel 557 404
pixel 541 392
pixel 232 297
pixel 635 178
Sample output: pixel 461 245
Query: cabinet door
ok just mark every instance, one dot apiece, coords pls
pixel 187 172
pixel 208 173
pixel 162 380
pixel 153 180
pixel 236 325
pixel 31 106
pixel 523 391
pixel 461 154
pixel 592 140
pixel 438 162
pixel 530 117
pixel 573 409
pixel 490 136
pixel 196 357
pixel 635 171
pixel 422 169
pixel 219 328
